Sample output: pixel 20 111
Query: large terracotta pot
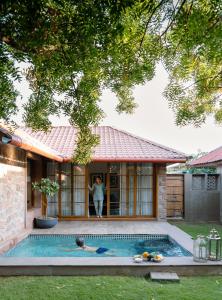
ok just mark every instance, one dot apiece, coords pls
pixel 45 222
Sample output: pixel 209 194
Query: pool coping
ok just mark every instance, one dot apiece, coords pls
pixel 99 261
pixel 111 266
pixel 184 265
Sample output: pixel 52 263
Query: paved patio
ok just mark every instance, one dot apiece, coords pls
pixel 109 265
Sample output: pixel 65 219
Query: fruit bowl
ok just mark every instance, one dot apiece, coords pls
pixel 158 258
pixel 137 258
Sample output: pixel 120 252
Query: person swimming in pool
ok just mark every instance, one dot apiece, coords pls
pixel 82 246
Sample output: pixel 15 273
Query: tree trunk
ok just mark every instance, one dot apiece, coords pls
pixel 44 205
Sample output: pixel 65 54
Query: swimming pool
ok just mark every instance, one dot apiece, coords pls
pixel 121 245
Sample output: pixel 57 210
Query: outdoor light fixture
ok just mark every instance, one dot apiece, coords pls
pixel 6 140
pixel 113 168
pixel 200 249
pixel 214 244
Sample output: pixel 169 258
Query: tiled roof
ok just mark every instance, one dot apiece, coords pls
pixel 210 159
pixel 114 144
pixel 20 138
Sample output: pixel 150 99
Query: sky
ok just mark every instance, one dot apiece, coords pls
pixel 153 119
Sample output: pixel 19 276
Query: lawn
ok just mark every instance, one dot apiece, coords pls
pixel 108 288
pixel 194 229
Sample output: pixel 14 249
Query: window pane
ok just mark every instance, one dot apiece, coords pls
pixel 131 168
pixel 78 191
pixel 144 182
pixel 66 202
pixel 52 174
pixel 53 206
pixel 115 202
pixel 144 202
pixel 79 170
pixel 114 168
pixel 79 202
pixel 144 169
pixel 52 169
pixel 144 189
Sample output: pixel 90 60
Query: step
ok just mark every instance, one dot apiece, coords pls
pixel 164 276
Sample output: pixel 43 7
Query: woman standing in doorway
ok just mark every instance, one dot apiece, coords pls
pixel 98 190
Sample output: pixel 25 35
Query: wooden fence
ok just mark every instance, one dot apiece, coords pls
pixel 175 195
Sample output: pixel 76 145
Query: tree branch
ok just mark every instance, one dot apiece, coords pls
pixel 202 79
pixel 188 14
pixel 148 21
pixel 174 17
pixel 74 88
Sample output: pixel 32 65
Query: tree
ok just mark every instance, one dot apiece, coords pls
pixel 48 188
pixel 74 49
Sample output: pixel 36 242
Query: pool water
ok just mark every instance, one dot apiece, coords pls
pixel 119 245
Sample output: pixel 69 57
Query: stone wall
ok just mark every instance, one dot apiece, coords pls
pixel 12 202
pixel 15 220
pixel 161 193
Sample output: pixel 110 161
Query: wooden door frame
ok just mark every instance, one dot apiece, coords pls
pixel 109 217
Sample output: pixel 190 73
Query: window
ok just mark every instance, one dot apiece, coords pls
pixel 212 182
pixel 30 198
pixel 198 182
pixel 144 205
pixel 53 174
pixel 129 189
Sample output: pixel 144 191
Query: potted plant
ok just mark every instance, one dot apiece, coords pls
pixel 48 188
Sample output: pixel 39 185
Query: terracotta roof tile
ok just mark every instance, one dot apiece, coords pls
pixel 114 144
pixel 210 159
pixel 24 140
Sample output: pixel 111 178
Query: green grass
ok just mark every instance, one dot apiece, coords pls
pixel 195 229
pixel 108 288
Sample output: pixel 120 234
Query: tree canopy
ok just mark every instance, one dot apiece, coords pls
pixel 76 48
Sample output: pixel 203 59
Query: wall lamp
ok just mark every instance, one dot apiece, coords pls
pixel 6 140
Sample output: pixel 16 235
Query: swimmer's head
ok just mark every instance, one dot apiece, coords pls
pixel 80 242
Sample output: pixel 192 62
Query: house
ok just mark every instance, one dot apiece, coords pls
pixel 211 159
pixel 132 168
pixel 205 200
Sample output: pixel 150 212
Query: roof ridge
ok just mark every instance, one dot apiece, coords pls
pixel 148 141
pixel 208 153
pixel 142 148
pixel 212 150
pixel 212 159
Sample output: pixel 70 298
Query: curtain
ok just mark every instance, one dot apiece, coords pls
pixel 52 173
pixel 79 191
pixel 144 189
pixel 123 191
